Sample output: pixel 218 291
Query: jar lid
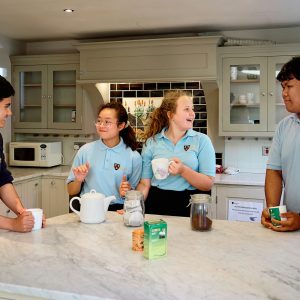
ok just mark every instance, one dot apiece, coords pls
pixel 200 198
pixel 134 195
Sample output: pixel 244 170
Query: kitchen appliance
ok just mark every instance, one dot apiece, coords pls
pixel 35 154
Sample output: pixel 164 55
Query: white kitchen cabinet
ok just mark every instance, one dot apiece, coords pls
pixel 29 192
pixel 55 200
pixel 47 95
pixel 250 96
pixel 238 202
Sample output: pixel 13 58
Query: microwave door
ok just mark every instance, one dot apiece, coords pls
pixel 24 154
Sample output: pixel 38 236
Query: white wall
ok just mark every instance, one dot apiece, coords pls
pixel 246 154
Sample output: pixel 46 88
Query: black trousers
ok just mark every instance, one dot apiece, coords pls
pixel 167 202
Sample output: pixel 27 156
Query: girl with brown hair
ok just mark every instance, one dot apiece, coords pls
pixel 191 155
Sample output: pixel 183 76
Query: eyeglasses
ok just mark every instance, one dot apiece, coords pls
pixel 105 123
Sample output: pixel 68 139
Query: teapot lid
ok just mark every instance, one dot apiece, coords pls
pixel 92 193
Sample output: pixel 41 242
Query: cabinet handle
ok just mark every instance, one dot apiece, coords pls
pixel 271 94
pixel 49 97
pixel 263 93
pixel 43 96
pixel 36 184
pixel 52 182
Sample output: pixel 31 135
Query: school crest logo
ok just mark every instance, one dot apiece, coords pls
pixel 116 166
pixel 186 147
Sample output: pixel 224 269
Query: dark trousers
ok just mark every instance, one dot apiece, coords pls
pixel 167 202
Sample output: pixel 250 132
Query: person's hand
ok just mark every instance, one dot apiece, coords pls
pixel 176 166
pixel 23 222
pixel 292 222
pixel 44 221
pixel 81 172
pixel 266 218
pixel 124 186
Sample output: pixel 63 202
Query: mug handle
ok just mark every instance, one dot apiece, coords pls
pixel 171 161
pixel 73 209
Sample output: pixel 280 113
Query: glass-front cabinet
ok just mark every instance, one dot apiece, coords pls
pixel 251 100
pixel 47 97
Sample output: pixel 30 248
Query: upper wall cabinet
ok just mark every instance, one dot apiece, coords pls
pixel 47 96
pixel 250 96
pixel 191 58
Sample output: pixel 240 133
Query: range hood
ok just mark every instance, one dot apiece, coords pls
pixel 172 59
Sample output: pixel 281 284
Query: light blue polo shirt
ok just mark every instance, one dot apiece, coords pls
pixel 285 155
pixel 107 167
pixel 195 150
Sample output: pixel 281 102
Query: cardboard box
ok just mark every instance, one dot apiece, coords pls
pixel 155 239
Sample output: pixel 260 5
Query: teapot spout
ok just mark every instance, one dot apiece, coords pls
pixel 107 201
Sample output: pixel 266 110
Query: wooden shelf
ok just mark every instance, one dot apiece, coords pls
pixel 32 85
pixel 245 81
pixel 33 105
pixel 64 106
pixel 72 84
pixel 245 105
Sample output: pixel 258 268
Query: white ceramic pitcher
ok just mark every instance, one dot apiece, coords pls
pixel 93 207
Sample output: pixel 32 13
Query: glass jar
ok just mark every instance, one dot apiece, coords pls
pixel 201 212
pixel 134 208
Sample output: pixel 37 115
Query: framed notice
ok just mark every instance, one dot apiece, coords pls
pixel 247 211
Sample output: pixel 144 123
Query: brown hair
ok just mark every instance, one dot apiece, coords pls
pixel 127 133
pixel 159 118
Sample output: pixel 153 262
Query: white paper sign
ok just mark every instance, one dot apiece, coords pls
pixel 247 211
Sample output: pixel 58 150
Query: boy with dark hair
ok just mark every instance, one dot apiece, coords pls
pixel 24 220
pixel 284 159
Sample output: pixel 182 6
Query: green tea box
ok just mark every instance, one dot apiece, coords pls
pixel 155 239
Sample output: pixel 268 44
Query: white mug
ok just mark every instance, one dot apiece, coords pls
pixel 37 214
pixel 160 167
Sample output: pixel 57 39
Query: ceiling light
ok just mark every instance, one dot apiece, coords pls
pixel 68 10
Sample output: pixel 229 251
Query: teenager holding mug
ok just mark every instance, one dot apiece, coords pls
pixel 191 154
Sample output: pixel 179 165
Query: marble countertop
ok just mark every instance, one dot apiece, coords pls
pixel 241 179
pixel 238 179
pixel 29 173
pixel 72 260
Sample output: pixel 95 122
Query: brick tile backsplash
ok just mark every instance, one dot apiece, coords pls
pixel 119 92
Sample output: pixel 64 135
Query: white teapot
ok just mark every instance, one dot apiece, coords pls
pixel 93 207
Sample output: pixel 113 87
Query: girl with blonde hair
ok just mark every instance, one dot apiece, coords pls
pixel 192 168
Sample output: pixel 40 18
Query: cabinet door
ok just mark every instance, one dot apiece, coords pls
pixel 276 107
pixel 64 97
pixel 31 194
pixel 240 203
pixel 4 210
pixel 55 197
pixel 30 105
pixel 244 94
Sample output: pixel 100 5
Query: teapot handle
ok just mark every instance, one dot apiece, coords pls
pixel 73 209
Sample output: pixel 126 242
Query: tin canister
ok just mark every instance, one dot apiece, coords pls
pixel 138 240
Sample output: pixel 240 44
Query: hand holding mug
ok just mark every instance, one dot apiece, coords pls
pixel 176 166
pixel 81 171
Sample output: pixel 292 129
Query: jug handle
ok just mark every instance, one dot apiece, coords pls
pixel 73 209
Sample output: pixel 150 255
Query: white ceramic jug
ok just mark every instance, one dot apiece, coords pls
pixel 93 207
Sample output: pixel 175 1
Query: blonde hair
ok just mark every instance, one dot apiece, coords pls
pixel 159 118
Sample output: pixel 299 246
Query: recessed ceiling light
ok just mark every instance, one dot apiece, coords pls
pixel 68 10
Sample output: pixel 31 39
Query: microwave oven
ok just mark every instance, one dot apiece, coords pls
pixel 35 154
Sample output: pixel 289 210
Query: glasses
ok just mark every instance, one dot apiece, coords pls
pixel 104 123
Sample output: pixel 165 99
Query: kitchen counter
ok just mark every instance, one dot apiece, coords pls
pixel 72 260
pixel 239 179
pixel 29 173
